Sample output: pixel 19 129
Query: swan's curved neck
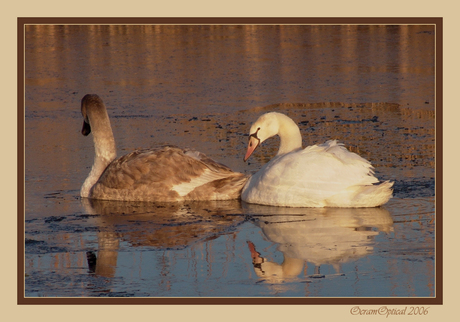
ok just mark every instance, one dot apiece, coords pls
pixel 289 133
pixel 104 146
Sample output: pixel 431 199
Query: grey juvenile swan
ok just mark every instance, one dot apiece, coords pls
pixel 166 173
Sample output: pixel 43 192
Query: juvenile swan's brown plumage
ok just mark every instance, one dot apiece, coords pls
pixel 165 173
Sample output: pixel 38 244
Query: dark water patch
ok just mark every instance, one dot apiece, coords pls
pixel 54 219
pixel 135 116
pixel 54 195
pixel 86 216
pixel 42 247
pixel 414 188
pixel 33 242
pixel 119 294
pixel 87 229
pixel 329 106
pixel 46 283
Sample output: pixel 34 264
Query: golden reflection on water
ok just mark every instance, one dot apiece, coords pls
pixel 314 60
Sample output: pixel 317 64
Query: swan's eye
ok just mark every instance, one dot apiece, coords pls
pixel 254 135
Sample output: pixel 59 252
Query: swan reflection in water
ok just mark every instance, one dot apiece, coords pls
pixel 316 235
pixel 158 225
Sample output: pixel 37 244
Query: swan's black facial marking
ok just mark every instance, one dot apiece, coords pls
pixel 254 135
pixel 254 142
pixel 86 129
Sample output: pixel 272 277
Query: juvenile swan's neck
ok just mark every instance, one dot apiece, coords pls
pixel 104 144
pixel 289 133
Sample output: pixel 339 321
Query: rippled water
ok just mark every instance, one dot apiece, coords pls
pixel 371 87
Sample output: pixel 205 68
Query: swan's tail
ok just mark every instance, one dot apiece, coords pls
pixel 373 195
pixel 228 188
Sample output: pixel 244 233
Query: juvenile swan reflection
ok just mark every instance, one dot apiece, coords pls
pixel 158 225
pixel 316 235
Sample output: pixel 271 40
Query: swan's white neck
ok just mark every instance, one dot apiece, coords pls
pixel 105 149
pixel 289 133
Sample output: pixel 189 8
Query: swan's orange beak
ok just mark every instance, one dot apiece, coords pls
pixel 252 145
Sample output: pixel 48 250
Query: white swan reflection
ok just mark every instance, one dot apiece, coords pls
pixel 157 225
pixel 316 235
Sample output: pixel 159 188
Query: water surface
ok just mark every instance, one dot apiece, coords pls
pixel 370 87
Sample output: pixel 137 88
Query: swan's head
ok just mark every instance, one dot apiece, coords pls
pixel 90 103
pixel 265 127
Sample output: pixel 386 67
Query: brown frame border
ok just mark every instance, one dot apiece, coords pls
pixel 437 300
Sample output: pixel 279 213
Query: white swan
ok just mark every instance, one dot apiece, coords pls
pixel 325 175
pixel 163 174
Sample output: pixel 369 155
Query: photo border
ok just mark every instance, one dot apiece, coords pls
pixel 436 300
